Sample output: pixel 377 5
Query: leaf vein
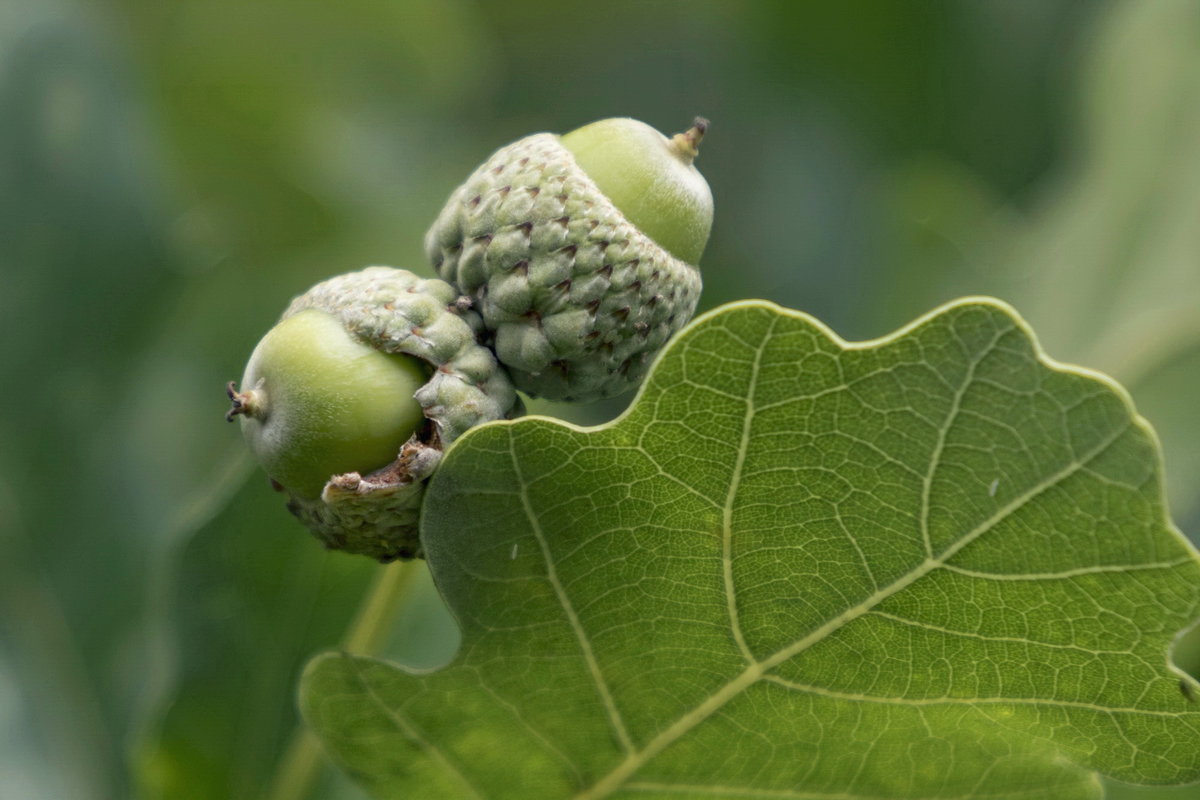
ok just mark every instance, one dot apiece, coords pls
pixel 754 672
pixel 410 731
pixel 1098 569
pixel 935 457
pixel 585 645
pixel 727 511
pixel 835 694
pixel 1013 639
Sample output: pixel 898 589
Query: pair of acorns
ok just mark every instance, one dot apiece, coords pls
pixel 566 264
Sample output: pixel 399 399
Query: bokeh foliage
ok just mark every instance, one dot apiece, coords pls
pixel 171 173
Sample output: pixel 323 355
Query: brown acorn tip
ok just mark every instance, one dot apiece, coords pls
pixel 244 403
pixel 687 144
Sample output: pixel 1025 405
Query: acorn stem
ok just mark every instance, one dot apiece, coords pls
pixel 304 761
pixel 687 144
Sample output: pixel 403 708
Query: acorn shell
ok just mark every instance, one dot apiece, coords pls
pixel 576 298
pixel 395 311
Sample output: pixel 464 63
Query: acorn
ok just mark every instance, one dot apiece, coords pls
pixel 349 401
pixel 580 252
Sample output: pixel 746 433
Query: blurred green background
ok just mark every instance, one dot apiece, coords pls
pixel 171 173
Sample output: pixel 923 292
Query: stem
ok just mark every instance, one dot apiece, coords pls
pixel 304 761
pixel 374 620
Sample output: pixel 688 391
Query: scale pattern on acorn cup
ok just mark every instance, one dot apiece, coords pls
pixel 395 311
pixel 578 299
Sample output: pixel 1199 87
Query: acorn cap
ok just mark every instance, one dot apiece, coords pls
pixel 577 299
pixel 395 311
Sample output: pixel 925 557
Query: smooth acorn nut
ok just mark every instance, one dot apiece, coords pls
pixel 349 401
pixel 580 252
pixel 317 402
pixel 650 179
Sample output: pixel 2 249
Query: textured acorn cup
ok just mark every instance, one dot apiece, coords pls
pixel 580 252
pixel 349 401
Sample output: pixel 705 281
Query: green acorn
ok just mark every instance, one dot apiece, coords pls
pixel 350 399
pixel 580 252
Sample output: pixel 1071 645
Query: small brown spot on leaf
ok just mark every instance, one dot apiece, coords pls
pixel 621 313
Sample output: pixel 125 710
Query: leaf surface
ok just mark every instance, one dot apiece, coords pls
pixel 936 565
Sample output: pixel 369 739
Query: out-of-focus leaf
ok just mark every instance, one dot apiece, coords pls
pixel 948 234
pixel 966 79
pixel 936 565
pixel 1110 269
pixel 84 271
pixel 1107 265
pixel 277 113
pixel 249 597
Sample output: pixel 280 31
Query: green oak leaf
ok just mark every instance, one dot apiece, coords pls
pixel 936 565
